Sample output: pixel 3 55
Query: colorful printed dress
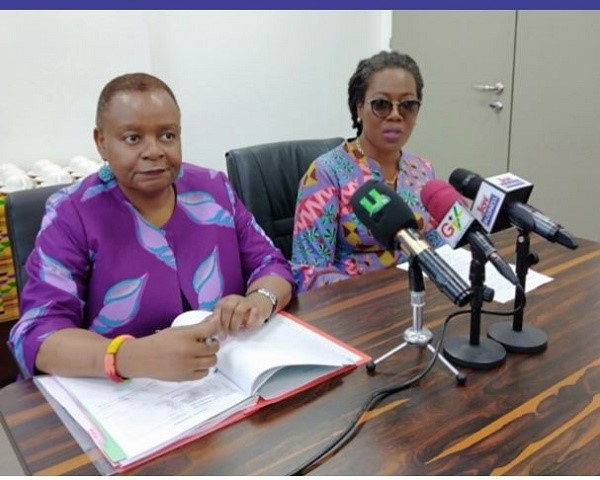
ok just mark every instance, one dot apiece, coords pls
pixel 97 264
pixel 330 243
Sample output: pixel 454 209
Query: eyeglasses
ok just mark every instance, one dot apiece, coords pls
pixel 382 108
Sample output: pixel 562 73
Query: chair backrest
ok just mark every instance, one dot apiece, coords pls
pixel 24 210
pixel 266 178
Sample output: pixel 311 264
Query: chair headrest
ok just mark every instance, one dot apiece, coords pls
pixel 266 179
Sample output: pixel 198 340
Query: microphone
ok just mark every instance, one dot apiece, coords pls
pixel 391 221
pixel 457 226
pixel 501 200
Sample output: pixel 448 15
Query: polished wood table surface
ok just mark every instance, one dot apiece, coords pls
pixel 537 414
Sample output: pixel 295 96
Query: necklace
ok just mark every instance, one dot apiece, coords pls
pixel 392 183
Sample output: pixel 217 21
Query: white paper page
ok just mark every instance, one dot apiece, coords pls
pixel 143 415
pixel 53 388
pixel 251 358
pixel 254 355
pixel 191 317
pixel 460 261
pixel 289 378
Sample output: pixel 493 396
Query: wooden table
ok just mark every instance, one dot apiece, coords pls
pixel 537 414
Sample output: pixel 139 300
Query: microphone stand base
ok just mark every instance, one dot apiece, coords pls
pixel 419 338
pixel 528 340
pixel 487 354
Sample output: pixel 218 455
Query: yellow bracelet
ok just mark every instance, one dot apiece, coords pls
pixel 110 367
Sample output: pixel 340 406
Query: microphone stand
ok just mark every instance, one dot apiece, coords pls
pixel 471 351
pixel 417 335
pixel 513 335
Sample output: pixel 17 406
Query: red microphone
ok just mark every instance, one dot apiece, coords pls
pixel 457 226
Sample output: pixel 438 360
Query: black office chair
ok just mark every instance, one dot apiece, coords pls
pixel 24 210
pixel 266 179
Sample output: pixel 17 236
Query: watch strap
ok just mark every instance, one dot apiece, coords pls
pixel 268 294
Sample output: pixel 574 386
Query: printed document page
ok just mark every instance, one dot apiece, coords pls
pixel 143 414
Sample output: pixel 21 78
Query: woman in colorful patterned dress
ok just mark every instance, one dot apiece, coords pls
pixel 120 254
pixel 330 244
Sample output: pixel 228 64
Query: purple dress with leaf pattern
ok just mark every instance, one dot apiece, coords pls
pixel 97 264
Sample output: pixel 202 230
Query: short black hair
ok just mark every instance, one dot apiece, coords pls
pixel 129 82
pixel 359 81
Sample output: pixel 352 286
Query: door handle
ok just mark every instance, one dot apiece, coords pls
pixel 498 87
pixel 497 106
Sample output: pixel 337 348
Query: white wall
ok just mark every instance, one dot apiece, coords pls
pixel 241 78
pixel 53 67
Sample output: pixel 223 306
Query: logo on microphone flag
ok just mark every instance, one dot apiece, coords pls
pixel 375 203
pixel 508 182
pixel 486 205
pixel 455 224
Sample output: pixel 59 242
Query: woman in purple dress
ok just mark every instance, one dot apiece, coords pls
pixel 120 254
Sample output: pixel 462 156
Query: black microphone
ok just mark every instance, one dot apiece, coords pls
pixel 392 222
pixel 501 200
pixel 456 225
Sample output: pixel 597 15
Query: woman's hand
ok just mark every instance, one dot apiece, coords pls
pixel 235 313
pixel 173 354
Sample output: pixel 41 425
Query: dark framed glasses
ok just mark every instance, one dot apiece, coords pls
pixel 382 108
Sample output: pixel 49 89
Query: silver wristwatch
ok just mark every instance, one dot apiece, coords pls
pixel 270 295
